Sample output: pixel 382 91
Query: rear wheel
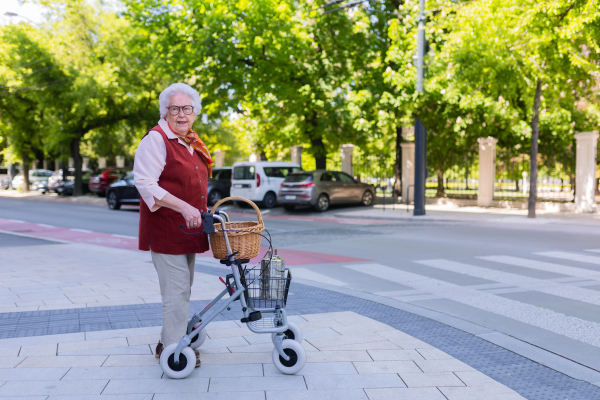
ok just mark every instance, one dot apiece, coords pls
pixel 113 201
pixel 269 200
pixel 214 196
pixel 367 198
pixel 295 352
pixel 198 339
pixel 185 366
pixel 322 203
pixel 289 207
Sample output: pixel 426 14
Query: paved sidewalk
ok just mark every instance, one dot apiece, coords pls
pixel 349 356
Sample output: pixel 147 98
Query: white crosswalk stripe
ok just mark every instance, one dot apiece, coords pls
pixel 574 328
pixel 304 273
pixel 544 266
pixel 524 282
pixel 571 256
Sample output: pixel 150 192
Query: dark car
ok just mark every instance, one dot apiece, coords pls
pixel 67 187
pixel 122 191
pixel 219 185
pixel 56 180
pixel 103 178
pixel 322 188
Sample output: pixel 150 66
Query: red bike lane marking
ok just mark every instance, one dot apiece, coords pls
pixel 42 231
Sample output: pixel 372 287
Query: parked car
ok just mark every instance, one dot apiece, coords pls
pixel 40 186
pixel 4 183
pixel 102 179
pixel 35 175
pixel 122 191
pixel 67 187
pixel 321 188
pixel 260 181
pixel 57 178
pixel 219 186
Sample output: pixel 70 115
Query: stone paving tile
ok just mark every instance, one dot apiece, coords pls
pixel 238 358
pixel 210 396
pixel 10 362
pixel 332 394
pixel 406 394
pixel 337 356
pixel 146 339
pixel 386 367
pixel 33 388
pixel 104 397
pixel 364 346
pixel 227 342
pixel 38 350
pixel 394 355
pixel 226 371
pixel 24 397
pixel 112 373
pixel 92 344
pixel 10 351
pixel 156 386
pixel 130 360
pixel 33 374
pixel 248 384
pixel 126 350
pixel 431 379
pixel 333 368
pixel 62 361
pixel 478 393
pixel 320 342
pixel 443 366
pixel 434 354
pixel 321 382
pixel 227 333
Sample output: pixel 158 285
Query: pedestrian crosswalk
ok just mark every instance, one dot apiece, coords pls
pixel 565 300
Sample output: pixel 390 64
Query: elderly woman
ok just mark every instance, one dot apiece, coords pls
pixel 171 169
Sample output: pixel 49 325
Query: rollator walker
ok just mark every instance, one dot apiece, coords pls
pixel 262 295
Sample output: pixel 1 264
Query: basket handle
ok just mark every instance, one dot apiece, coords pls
pixel 260 220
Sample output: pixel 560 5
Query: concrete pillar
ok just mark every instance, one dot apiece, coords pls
pixel 45 164
pixel 86 163
pixel 120 161
pixel 346 151
pixel 297 154
pixel 102 162
pixel 487 171
pixel 585 171
pixel 71 162
pixel 219 159
pixel 56 165
pixel 408 171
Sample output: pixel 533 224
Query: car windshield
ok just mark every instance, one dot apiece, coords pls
pixel 243 173
pixel 298 178
pixel 280 172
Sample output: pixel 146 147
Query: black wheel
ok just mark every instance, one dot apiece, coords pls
pixel 293 358
pixel 367 198
pixel 182 362
pixel 269 200
pixel 289 207
pixel 214 196
pixel 322 203
pixel 113 201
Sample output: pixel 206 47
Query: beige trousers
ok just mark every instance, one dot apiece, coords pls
pixel 175 276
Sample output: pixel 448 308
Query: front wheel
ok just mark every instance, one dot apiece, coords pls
pixel 187 362
pixel 297 355
pixel 322 203
pixel 113 201
pixel 293 333
pixel 269 200
pixel 367 198
pixel 198 339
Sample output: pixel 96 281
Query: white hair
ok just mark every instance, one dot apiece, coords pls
pixel 178 88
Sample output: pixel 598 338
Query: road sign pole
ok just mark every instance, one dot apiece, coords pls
pixel 420 131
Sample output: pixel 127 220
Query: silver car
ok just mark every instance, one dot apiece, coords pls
pixel 321 188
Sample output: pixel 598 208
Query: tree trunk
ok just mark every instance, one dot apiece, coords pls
pixel 25 171
pixel 535 134
pixel 398 165
pixel 263 156
pixel 78 188
pixel 318 150
pixel 440 184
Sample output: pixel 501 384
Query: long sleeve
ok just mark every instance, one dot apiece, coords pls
pixel 150 160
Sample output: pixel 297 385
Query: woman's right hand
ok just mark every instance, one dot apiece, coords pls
pixel 193 218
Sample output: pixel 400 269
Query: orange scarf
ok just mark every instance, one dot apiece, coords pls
pixel 198 145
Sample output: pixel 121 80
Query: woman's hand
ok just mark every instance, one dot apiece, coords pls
pixel 192 216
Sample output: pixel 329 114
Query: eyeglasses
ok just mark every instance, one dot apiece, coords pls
pixel 187 110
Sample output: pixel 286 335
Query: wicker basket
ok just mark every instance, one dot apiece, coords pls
pixel 245 243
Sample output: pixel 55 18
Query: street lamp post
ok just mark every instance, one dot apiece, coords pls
pixel 420 131
pixel 12 14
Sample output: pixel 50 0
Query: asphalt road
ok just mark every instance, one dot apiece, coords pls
pixel 536 281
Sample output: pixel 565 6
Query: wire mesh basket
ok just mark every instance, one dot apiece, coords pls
pixel 268 291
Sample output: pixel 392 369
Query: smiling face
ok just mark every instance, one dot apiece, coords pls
pixel 180 123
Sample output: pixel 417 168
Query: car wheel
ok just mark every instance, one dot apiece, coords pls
pixel 269 200
pixel 214 197
pixel 322 203
pixel 289 207
pixel 367 198
pixel 113 201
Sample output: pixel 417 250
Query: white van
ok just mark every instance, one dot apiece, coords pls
pixel 260 181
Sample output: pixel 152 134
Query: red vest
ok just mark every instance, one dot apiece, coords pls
pixel 185 176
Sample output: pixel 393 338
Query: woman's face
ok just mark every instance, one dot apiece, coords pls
pixel 180 123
